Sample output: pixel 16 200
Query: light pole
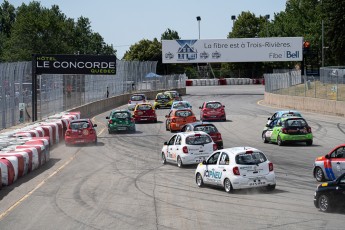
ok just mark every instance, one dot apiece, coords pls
pixel 267 17
pixel 198 18
pixel 233 18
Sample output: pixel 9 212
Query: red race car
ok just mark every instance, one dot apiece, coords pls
pixel 212 110
pixel 81 131
pixel 145 112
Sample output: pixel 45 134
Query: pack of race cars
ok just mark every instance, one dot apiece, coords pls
pixel 200 142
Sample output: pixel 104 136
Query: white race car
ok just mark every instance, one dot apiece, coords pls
pixel 188 148
pixel 237 168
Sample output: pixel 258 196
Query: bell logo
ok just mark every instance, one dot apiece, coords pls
pixel 290 54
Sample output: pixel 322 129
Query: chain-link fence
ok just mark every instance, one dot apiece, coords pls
pixel 329 85
pixel 58 93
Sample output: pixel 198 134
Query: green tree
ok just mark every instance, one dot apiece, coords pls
pixel 334 24
pixel 7 18
pixel 170 35
pixel 247 25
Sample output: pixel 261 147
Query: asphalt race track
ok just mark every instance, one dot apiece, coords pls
pixel 121 183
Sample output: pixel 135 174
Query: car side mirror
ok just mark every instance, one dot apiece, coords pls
pixel 327 156
pixel 204 162
pixel 94 125
pixel 166 116
pixel 200 107
pixel 106 117
pixel 165 143
pixel 268 118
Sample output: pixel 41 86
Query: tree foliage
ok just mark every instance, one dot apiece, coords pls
pixel 33 29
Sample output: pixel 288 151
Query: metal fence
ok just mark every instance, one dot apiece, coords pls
pixel 58 93
pixel 329 85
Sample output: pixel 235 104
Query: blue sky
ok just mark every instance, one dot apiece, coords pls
pixel 124 23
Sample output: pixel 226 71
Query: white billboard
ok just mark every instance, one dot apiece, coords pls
pixel 270 49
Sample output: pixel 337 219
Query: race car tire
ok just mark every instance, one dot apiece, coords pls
pixel 319 175
pixel 110 132
pixel 155 121
pixel 279 141
pixel 199 181
pixel 96 142
pixel 164 160
pixel 179 162
pixel 228 186
pixel 270 188
pixel 264 139
pixel 309 142
pixel 324 203
pixel 166 126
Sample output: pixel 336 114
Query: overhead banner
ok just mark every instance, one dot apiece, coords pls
pixel 272 49
pixel 74 64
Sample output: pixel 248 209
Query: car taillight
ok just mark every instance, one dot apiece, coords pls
pixel 236 171
pixel 185 149
pixel 68 133
pixel 173 120
pixel 309 129
pixel 284 130
pixel 110 121
pixel 92 131
pixel 219 136
pixel 215 147
pixel 270 166
pixel 222 110
pixel 194 119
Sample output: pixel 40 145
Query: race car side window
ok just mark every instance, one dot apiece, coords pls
pixel 178 140
pixel 338 153
pixel 224 159
pixel 213 159
pixel 172 140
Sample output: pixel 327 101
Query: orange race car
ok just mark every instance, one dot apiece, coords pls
pixel 177 118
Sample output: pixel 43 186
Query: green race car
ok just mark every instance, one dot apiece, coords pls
pixel 163 100
pixel 288 129
pixel 120 120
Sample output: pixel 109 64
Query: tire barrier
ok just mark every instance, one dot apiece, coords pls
pixel 26 149
pixel 223 81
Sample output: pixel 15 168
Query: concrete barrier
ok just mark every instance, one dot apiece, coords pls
pixel 97 107
pixel 306 103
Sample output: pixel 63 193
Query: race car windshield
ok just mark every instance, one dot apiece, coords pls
pixel 137 98
pixel 120 115
pixel 213 105
pixel 144 107
pixel 250 159
pixel 180 105
pixel 206 128
pixel 162 96
pixel 295 123
pixel 183 113
pixel 198 140
pixel 79 125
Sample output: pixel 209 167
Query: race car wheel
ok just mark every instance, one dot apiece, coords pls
pixel 270 188
pixel 227 185
pixel 324 203
pixel 179 162
pixel 96 142
pixel 309 142
pixel 198 180
pixel 318 174
pixel 166 126
pixel 279 141
pixel 155 121
pixel 264 139
pixel 164 160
